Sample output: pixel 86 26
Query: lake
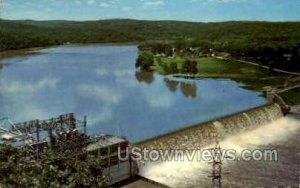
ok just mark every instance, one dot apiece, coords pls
pixel 101 81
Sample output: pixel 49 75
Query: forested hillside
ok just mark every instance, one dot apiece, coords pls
pixel 27 33
pixel 271 43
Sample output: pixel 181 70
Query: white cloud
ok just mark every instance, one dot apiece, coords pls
pixel 109 98
pixel 123 72
pixel 158 98
pixel 104 5
pixel 154 3
pixel 90 2
pixel 204 2
pixel 126 9
pixel 224 1
pixel 129 82
pixel 116 73
pixel 103 93
pixel 15 87
pixel 32 111
pixel 77 2
pixel 163 101
pixel 220 1
pixel 104 114
pixel 102 72
pixel 48 9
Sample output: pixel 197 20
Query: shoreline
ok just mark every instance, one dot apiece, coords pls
pixel 196 76
pixel 21 51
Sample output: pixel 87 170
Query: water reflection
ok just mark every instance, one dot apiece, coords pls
pixel 188 89
pixel 171 84
pixel 102 83
pixel 144 76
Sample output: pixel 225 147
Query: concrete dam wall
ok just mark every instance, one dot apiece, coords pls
pixel 199 135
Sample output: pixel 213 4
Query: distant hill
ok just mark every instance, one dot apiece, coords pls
pixel 16 34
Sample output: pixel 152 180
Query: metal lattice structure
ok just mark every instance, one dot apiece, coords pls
pixel 216 174
pixel 64 127
pixel 6 120
pixel 8 131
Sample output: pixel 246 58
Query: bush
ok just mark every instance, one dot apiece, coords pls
pixel 53 169
pixel 189 66
pixel 170 68
pixel 173 68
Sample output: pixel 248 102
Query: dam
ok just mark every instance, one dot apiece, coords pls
pixel 263 127
pixel 199 135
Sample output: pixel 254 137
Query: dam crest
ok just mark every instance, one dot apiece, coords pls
pixel 199 135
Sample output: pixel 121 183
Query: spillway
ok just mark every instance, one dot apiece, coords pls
pixel 259 128
pixel 200 135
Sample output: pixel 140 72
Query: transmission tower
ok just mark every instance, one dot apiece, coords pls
pixel 216 174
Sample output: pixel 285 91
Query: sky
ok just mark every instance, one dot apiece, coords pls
pixel 188 10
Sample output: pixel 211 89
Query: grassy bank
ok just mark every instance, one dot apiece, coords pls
pixel 291 97
pixel 250 76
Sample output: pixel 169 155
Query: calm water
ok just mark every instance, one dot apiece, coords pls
pixel 102 83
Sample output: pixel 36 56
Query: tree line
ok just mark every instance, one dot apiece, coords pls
pixel 274 54
pixel 22 33
pixel 271 43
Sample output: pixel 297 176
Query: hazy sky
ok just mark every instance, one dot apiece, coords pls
pixel 190 10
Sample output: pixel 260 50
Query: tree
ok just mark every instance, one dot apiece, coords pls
pixel 180 44
pixel 54 169
pixel 145 60
pixel 189 66
pixel 162 48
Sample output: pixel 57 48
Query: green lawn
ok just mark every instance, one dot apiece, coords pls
pixel 250 76
pixel 291 97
